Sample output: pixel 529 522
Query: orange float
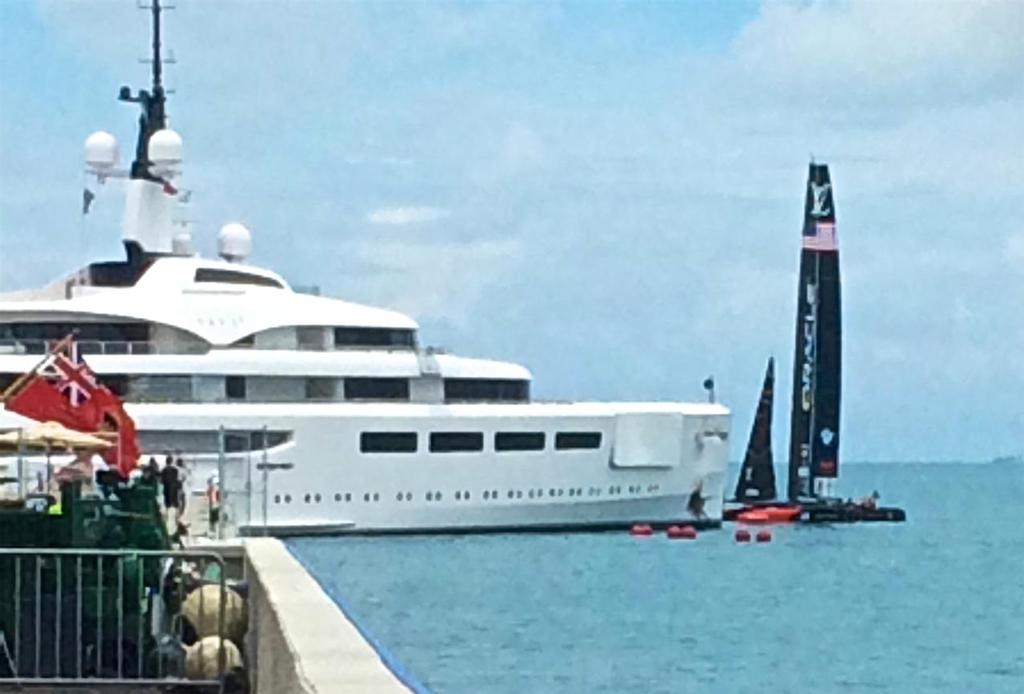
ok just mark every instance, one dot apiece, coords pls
pixel 681 532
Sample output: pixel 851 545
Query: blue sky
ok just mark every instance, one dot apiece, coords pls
pixel 609 193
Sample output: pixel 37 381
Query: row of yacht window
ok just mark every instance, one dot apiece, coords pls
pixel 473 441
pixel 237 441
pixel 136 338
pixel 488 495
pixel 202 388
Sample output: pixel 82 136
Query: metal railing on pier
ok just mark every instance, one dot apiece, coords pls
pixel 113 617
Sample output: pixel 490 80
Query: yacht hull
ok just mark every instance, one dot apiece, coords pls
pixel 658 463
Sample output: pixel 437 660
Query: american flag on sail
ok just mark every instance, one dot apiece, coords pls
pixel 820 236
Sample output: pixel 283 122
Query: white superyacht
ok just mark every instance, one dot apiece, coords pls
pixel 326 416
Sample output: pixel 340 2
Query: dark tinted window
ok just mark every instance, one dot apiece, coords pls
pixel 273 438
pixel 519 441
pixel 235 442
pixel 117 274
pixel 6 380
pixel 472 389
pixel 321 388
pixel 567 440
pixel 376 389
pixel 456 441
pixel 234 386
pixel 387 442
pixel 209 274
pixel 238 441
pixel 373 337
pixel 84 332
pixel 117 383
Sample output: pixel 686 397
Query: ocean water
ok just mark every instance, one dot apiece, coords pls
pixel 932 605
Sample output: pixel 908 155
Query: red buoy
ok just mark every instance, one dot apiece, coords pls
pixel 641 530
pixel 742 535
pixel 764 535
pixel 683 532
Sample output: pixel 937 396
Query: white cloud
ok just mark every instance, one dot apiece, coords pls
pixel 837 52
pixel 436 281
pixel 407 215
pixel 1014 251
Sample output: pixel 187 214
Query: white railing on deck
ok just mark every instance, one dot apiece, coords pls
pixel 114 347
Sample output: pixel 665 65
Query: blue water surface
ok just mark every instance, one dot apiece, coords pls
pixel 932 605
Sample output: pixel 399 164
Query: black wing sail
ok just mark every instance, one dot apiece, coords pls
pixel 814 427
pixel 757 475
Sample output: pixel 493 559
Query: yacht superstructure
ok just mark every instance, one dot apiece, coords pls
pixel 328 416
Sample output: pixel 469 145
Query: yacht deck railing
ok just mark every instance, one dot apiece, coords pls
pixel 117 347
pixel 123 347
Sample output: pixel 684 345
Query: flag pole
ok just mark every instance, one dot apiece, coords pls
pixel 20 380
pixel 21 465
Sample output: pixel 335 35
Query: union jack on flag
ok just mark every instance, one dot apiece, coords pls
pixel 820 236
pixel 69 374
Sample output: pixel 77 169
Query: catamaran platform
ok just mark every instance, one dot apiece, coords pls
pixel 851 513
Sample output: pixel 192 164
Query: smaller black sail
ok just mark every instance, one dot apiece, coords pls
pixel 757 475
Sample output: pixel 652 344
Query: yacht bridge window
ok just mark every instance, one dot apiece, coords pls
pixel 376 389
pixel 92 338
pixel 116 273
pixel 374 337
pixel 484 389
pixel 211 274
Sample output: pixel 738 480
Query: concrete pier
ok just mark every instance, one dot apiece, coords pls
pixel 299 639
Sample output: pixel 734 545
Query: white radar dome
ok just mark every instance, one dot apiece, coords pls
pixel 165 152
pixel 101 152
pixel 234 242
pixel 181 244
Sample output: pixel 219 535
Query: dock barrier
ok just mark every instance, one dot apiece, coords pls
pixel 115 617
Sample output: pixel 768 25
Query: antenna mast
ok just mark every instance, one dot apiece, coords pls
pixel 154 116
pixel 157 86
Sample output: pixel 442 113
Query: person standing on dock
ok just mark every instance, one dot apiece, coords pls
pixel 184 484
pixel 172 487
pixel 213 500
pixel 151 473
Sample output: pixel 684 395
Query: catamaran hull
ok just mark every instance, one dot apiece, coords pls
pixel 851 513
